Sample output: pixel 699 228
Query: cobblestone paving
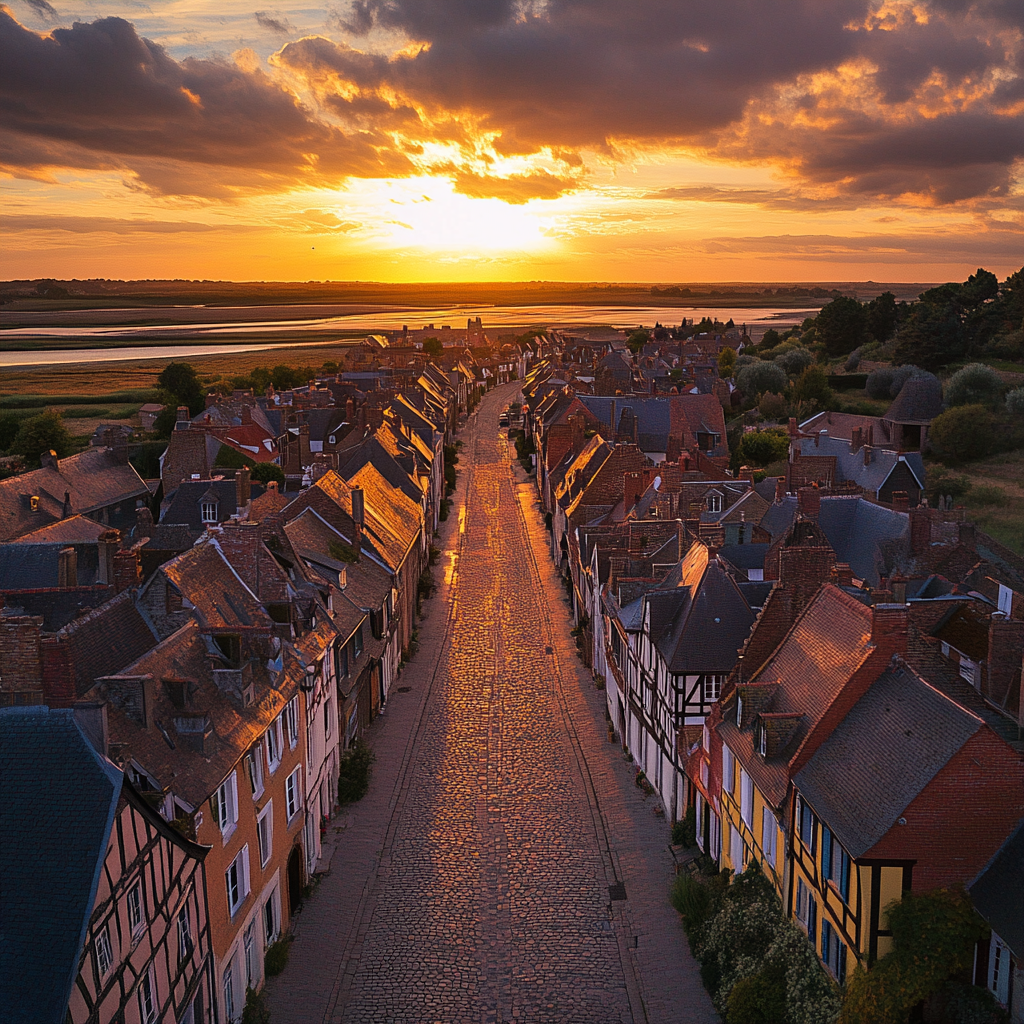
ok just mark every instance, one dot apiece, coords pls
pixel 472 884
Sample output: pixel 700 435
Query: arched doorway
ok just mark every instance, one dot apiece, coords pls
pixel 294 879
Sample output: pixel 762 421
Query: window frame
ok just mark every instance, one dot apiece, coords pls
pixel 186 943
pixel 711 688
pixel 728 770
pixel 266 815
pixel 136 910
pixel 769 836
pixel 746 799
pixel 291 716
pixel 148 995
pixel 104 951
pixel 254 769
pixel 293 795
pixel 806 816
pixel 239 867
pixel 224 805
pixel 275 743
pixel 208 511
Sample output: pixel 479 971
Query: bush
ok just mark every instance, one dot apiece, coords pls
pixel 813 386
pixel 276 957
pixel 695 900
pixel 757 378
pixel 255 1010
pixel 794 360
pixel 970 1004
pixel 879 382
pixel 43 433
pixel 759 999
pixel 975 384
pixel 264 472
pixel 964 433
pixel 773 407
pixel 1015 402
pixel 852 361
pixel 354 773
pixel 684 831
pixel 763 447
pixel 9 426
pixel 746 359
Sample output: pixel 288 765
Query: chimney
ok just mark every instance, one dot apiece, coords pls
pixel 920 531
pixel 900 501
pixel 350 411
pixel 48 460
pixel 793 431
pixel 780 488
pixel 272 485
pixel 143 520
pixel 868 454
pixel 118 444
pixel 966 533
pixel 246 415
pixel 91 718
pixel 869 434
pixel 240 543
pixel 746 473
pixel 210 400
pixel 889 628
pixel 809 502
pixel 358 518
pixel 127 570
pixel 844 575
pixel 67 568
pixel 243 487
pixel 856 439
pixel 182 419
pixel 107 545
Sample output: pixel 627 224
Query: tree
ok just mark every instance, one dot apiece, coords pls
pixel 43 433
pixel 882 316
pixel 975 384
pixel 637 340
pixel 964 433
pixel 932 336
pixel 432 348
pixel 879 381
pixel 181 382
pixel 1015 402
pixel 902 374
pixel 812 386
pixel 757 378
pixel 794 360
pixel 264 472
pixel 770 340
pixel 841 326
pixel 763 447
pixel 772 407
pixel 726 362
pixel 9 424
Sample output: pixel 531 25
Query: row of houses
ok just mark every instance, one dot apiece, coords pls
pixel 184 667
pixel 830 683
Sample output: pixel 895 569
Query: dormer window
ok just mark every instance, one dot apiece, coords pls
pixel 739 711
pixel 762 739
pixel 209 511
pixel 714 503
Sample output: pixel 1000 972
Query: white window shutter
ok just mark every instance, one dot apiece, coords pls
pixel 245 872
pixel 233 814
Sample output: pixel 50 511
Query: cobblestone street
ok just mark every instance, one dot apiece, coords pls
pixel 479 880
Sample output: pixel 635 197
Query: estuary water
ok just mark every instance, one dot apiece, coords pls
pixel 189 335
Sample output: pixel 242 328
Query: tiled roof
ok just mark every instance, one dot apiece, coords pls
pixel 373 451
pixel 919 401
pixel 850 464
pixel 744 556
pixel 58 798
pixel 94 479
pixel 185 506
pixel 393 520
pixel 74 530
pixel 893 742
pixel 998 893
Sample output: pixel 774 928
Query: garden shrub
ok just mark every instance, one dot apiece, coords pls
pixel 773 407
pixel 795 360
pixel 763 447
pixel 255 1010
pixel 902 374
pixel 1015 402
pixel 759 999
pixel 354 773
pixel 975 384
pixel 276 958
pixel 852 361
pixel 757 378
pixel 684 831
pixel 879 382
pixel 965 432
pixel 987 494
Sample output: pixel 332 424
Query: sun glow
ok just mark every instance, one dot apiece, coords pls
pixel 428 214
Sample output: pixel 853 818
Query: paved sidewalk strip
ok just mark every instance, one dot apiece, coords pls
pixel 472 882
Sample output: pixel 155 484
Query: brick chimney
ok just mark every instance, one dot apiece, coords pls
pixel 793 429
pixel 181 420
pixel 920 531
pixel 901 501
pixel 246 415
pixel 48 460
pixel 67 568
pixel 856 439
pixel 967 535
pixel 844 575
pixel 889 628
pixel 869 454
pixel 632 486
pixel 243 487
pixel 127 569
pixel 809 502
pixel 358 518
pixel 241 543
pixel 143 520
pixel 350 411
pixel 108 543
pixel 58 673
pixel 780 488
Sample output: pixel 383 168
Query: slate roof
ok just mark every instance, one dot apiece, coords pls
pixel 998 893
pixel 36 566
pixel 744 556
pixel 850 464
pixel 74 530
pixel 893 742
pixel 185 506
pixel 58 798
pixel 94 479
pixel 919 401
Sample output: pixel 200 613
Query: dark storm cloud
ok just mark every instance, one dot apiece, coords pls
pixel 45 11
pixel 98 95
pixel 280 26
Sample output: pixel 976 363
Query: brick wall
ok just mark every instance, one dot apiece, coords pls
pixel 186 454
pixel 962 817
pixel 1005 652
pixel 20 654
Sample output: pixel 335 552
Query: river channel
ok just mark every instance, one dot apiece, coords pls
pixel 189 338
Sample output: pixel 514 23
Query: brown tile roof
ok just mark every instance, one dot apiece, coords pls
pixel 76 530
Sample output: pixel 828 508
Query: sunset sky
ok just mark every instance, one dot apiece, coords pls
pixel 404 140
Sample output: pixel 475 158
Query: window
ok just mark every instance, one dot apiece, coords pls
pixel 762 739
pixel 270 920
pixel 135 916
pixel 104 953
pixel 209 512
pixel 254 768
pixel 806 821
pixel 252 956
pixel 728 772
pixel 712 687
pixel 699 814
pixel 291 721
pixel 265 832
pixel 746 799
pixel 237 879
pixel 769 835
pixel 357 642
pixel 806 908
pixel 736 849
pixel 352 727
pixel 833 951
pixel 835 863
pixel 275 743
pixel 739 711
pixel 147 998
pixel 293 794
pixel 328 715
pixel 705 773
pixel 714 502
pixel 185 943
pixel 224 805
pixel 229 992
pixel 999 970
